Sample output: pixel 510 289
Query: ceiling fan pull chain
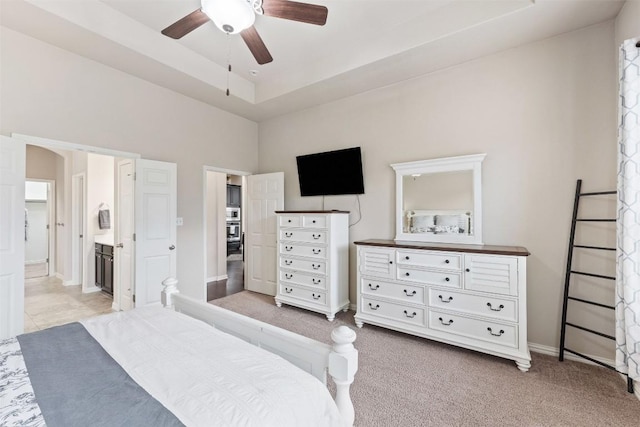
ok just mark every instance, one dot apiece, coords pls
pixel 228 62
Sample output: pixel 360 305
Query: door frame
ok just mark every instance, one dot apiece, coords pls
pixel 206 169
pixel 53 144
pixel 78 197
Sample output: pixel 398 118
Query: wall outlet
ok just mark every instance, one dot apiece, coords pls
pixel 179 221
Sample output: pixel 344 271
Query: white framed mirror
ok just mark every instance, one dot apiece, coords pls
pixel 440 200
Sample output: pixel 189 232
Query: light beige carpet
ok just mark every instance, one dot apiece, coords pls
pixel 409 381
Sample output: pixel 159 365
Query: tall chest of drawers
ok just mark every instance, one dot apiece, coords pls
pixel 313 260
pixel 471 296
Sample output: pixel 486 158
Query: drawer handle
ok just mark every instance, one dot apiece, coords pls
pixel 446 279
pixel 390 262
pixel 316 296
pixel 288 290
pixel 467 270
pixel 288 248
pixel 410 316
pixel 288 220
pixel 316 236
pixel 316 253
pixel 288 234
pixel 500 307
pixel 316 281
pixel 407 257
pixel 447 301
pixel 288 262
pixel 314 221
pixel 446 324
pixel 374 308
pixel 288 276
pixel 409 294
pixel 372 288
pixel 495 335
pixel 406 274
pixel 315 266
pixel 446 261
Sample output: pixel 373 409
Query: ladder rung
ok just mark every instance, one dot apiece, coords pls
pixel 593 275
pixel 610 307
pixel 594 247
pixel 591 359
pixel 598 193
pixel 592 331
pixel 596 219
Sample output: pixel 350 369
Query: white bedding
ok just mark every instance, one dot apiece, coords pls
pixel 209 378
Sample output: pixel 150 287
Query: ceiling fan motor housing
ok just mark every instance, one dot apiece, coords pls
pixel 231 16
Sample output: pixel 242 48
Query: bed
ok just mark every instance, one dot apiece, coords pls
pixel 186 363
pixel 439 221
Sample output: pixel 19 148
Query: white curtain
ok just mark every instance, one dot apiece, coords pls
pixel 628 253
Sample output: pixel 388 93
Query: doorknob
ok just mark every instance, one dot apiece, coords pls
pixel 172 247
pixel 119 245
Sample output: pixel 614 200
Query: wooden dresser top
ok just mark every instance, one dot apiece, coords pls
pixel 457 247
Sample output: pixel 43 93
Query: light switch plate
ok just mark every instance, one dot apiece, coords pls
pixel 179 221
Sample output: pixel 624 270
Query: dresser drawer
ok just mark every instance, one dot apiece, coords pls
pixel 303 236
pixel 408 293
pixel 392 311
pixel 484 330
pixel 289 220
pixel 441 260
pixel 487 306
pixel 313 221
pixel 313 296
pixel 303 250
pixel 296 277
pixel 429 277
pixel 312 266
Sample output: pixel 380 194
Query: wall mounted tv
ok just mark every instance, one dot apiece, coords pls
pixel 331 173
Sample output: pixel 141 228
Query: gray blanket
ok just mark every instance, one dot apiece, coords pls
pixel 76 383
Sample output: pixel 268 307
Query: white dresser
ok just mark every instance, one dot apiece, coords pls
pixel 472 296
pixel 313 260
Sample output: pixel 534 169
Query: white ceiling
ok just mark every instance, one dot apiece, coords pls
pixel 365 44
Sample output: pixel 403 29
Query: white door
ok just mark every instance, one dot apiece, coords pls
pixel 265 195
pixel 123 289
pixel 155 208
pixel 12 235
pixel 77 220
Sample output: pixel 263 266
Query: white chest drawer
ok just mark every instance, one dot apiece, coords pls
pixel 484 330
pixel 300 235
pixel 313 296
pixel 393 311
pixel 314 221
pixel 439 260
pixel 303 250
pixel 436 278
pixel 405 293
pixel 312 266
pixel 305 279
pixel 289 220
pixel 483 305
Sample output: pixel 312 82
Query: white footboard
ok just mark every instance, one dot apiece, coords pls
pixel 340 360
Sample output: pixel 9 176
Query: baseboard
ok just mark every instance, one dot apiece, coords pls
pixel 217 278
pixel 115 306
pixel 554 351
pixel 353 307
pixel 61 278
pixel 37 261
pixel 90 291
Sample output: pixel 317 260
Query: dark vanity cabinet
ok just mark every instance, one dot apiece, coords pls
pixel 104 267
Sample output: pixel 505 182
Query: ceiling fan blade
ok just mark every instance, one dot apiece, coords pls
pixel 256 45
pixel 185 25
pixel 294 11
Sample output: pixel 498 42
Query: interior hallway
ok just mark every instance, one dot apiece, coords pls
pixel 49 303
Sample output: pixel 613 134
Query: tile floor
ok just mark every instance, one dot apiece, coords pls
pixel 47 302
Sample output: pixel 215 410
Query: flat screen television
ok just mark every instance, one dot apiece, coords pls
pixel 331 173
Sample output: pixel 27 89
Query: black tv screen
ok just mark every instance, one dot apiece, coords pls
pixel 331 173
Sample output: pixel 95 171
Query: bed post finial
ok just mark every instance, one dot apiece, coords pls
pixel 170 287
pixel 343 365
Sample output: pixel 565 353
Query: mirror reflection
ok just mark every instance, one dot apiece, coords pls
pixel 450 192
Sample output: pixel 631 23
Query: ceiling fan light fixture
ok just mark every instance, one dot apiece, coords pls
pixel 231 16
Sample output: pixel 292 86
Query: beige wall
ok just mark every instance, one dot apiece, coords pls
pixel 628 22
pixel 58 95
pixel 545 114
pixel 216 226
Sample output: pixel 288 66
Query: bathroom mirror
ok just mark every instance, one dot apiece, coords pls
pixel 440 200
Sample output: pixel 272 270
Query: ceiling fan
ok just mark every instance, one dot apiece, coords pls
pixel 238 16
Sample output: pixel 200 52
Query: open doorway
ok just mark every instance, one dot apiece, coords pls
pixel 225 224
pixel 38 214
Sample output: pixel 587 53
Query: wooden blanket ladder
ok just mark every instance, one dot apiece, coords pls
pixel 569 272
